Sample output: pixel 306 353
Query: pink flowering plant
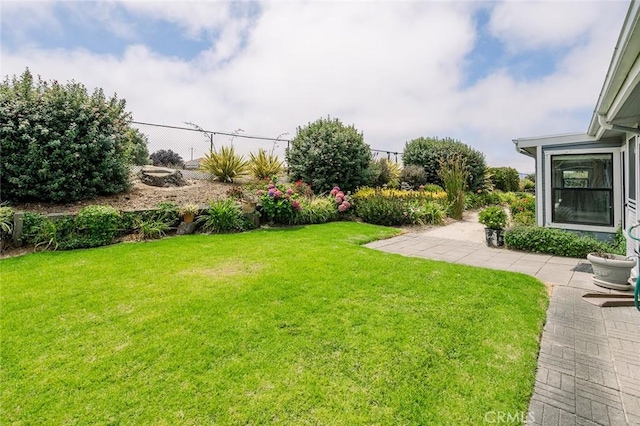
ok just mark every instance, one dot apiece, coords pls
pixel 279 203
pixel 341 199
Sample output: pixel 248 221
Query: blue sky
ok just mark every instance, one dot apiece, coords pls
pixel 482 72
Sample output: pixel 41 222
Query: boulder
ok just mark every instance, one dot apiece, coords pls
pixel 161 176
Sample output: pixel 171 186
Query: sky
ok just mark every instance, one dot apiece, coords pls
pixel 484 73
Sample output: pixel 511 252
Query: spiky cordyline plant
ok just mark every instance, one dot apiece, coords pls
pixel 225 164
pixel 264 166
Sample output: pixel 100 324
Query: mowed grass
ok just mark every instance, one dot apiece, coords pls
pixel 286 326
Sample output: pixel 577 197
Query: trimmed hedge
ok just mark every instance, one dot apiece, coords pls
pixel 557 242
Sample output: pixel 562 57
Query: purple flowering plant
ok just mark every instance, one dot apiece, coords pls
pixel 341 200
pixel 279 203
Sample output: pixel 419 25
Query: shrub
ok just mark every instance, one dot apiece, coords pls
pixel 150 229
pixel 222 216
pixel 552 241
pixel 93 226
pixel 59 143
pixel 37 230
pixel 523 204
pixel 414 176
pixel 385 173
pixel 454 175
pixel 427 152
pixel 225 164
pixel 505 179
pixel 6 222
pixel 524 218
pixel 392 207
pixel 493 217
pixel 474 200
pixel 279 204
pixel 302 189
pixel 432 187
pixel 316 210
pixel 264 166
pixel 527 185
pixel 166 158
pixel 137 150
pixel 326 153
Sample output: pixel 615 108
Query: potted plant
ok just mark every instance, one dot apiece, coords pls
pixel 611 271
pixel 494 218
pixel 188 212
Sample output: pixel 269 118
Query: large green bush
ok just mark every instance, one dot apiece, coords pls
pixel 59 143
pixel 505 179
pixel 427 152
pixel 327 153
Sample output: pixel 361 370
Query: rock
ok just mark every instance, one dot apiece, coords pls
pixel 186 228
pixel 161 176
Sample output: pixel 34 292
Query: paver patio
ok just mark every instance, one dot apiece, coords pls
pixel 589 362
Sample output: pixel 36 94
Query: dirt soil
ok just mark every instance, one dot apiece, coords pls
pixel 139 197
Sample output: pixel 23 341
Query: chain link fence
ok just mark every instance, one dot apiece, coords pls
pixel 193 142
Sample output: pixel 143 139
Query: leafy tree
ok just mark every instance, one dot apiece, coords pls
pixel 505 179
pixel 326 153
pixel 137 150
pixel 427 152
pixel 166 158
pixel 59 143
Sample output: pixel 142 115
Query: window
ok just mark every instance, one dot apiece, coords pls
pixel 582 189
pixel 632 169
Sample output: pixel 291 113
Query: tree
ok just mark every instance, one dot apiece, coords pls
pixel 137 147
pixel 59 143
pixel 326 153
pixel 505 179
pixel 428 152
pixel 166 158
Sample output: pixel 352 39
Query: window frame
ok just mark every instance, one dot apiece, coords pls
pixel 616 189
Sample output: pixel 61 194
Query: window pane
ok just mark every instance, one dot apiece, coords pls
pixel 582 189
pixel 632 169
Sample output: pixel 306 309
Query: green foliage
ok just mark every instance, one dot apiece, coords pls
pixel 531 177
pixel 384 173
pixel 524 218
pixel 524 203
pixel 493 217
pixel 93 226
pixel 527 185
pixel 415 176
pixel 326 153
pixel 279 204
pixel 454 174
pixel 222 216
pixel 505 179
pixel 552 241
pixel 316 210
pixel 383 207
pixel 432 187
pixel 225 165
pixel 475 200
pixel 59 143
pixel 6 222
pixel 427 152
pixel 137 147
pixel 166 158
pixel 150 229
pixel 264 166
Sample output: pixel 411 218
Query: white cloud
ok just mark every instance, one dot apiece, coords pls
pixel 395 70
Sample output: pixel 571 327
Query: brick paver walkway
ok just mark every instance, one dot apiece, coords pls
pixel 589 362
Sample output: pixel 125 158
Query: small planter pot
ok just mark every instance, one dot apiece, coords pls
pixel 611 273
pixel 188 217
pixel 494 237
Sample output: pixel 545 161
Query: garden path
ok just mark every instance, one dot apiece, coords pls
pixel 589 363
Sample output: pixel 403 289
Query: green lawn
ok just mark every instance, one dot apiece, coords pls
pixel 289 326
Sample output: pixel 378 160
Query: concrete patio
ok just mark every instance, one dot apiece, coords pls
pixel 589 362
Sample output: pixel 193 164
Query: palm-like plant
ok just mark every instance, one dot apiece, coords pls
pixel 264 166
pixel 225 164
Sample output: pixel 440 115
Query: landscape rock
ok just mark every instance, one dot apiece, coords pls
pixel 161 176
pixel 186 228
